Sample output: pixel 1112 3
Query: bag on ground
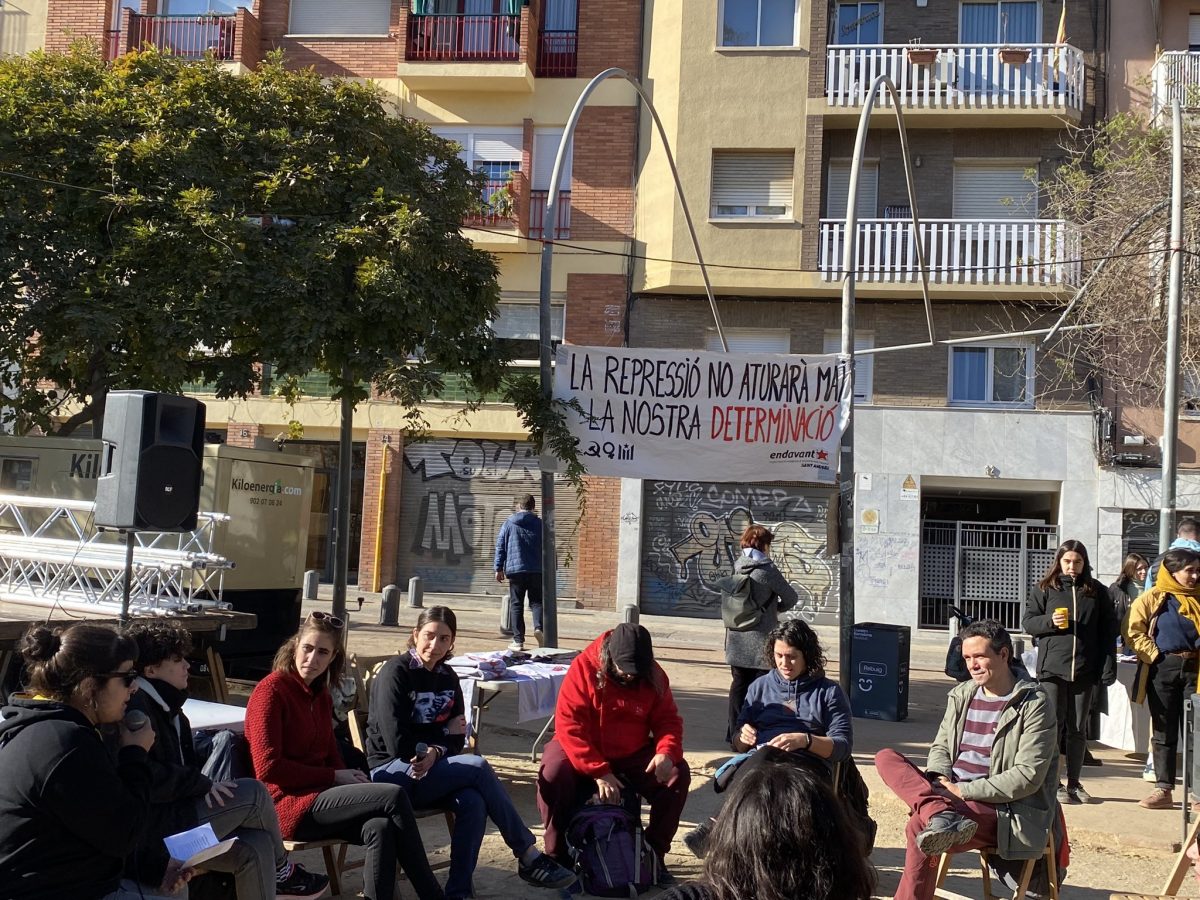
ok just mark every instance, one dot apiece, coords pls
pixel 611 856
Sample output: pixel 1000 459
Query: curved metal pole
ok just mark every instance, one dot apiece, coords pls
pixel 849 279
pixel 549 557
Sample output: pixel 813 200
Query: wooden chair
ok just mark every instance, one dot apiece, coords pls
pixel 1182 863
pixel 1049 855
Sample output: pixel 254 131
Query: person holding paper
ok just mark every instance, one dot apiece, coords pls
pixel 289 725
pixel 69 813
pixel 183 797
pixel 415 738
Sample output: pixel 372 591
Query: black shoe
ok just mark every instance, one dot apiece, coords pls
pixel 1089 760
pixel 696 840
pixel 301 883
pixel 665 879
pixel 1078 795
pixel 545 872
pixel 945 830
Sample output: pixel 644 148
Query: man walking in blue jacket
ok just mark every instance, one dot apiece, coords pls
pixel 519 558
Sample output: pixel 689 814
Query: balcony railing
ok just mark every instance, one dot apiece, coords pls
pixel 495 204
pixel 456 38
pixel 1176 76
pixel 537 216
pixel 1035 252
pixel 960 76
pixel 556 54
pixel 187 36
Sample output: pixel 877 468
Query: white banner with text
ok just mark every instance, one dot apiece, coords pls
pixel 672 414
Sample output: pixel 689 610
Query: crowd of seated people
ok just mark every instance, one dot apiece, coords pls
pixel 86 800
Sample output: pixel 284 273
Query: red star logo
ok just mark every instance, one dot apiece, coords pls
pixel 821 454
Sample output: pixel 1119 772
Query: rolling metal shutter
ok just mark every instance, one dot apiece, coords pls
pixel 455 495
pixel 838 191
pixel 323 17
pixel 752 179
pixel 750 340
pixel 993 192
pixel 691 539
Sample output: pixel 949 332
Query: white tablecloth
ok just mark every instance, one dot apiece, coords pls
pixel 215 716
pixel 1126 725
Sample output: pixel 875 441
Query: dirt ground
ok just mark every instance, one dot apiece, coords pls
pixel 1116 846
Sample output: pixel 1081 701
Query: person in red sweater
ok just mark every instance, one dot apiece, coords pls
pixel 617 725
pixel 289 726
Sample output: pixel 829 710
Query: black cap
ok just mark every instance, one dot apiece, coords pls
pixel 631 650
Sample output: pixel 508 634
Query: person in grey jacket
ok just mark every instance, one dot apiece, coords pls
pixel 519 559
pixel 992 769
pixel 771 593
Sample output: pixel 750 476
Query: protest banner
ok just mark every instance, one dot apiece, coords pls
pixel 669 414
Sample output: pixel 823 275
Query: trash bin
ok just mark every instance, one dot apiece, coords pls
pixel 879 671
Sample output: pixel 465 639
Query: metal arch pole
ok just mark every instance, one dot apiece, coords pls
pixel 849 277
pixel 1166 514
pixel 549 556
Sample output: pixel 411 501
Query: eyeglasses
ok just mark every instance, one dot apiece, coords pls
pixel 333 621
pixel 129 677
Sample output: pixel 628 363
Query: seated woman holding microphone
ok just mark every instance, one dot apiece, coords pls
pixel 416 732
pixel 69 813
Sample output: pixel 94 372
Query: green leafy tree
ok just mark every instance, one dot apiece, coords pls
pixel 165 222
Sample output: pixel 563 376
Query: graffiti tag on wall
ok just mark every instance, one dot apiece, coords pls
pixel 691 537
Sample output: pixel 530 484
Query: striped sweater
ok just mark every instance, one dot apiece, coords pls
pixel 979 731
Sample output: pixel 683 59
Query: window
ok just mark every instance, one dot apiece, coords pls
pixel 859 23
pixel 864 366
pixel 365 17
pixel 993 191
pixel 516 325
pixel 1194 32
pixel 495 152
pixel 991 375
pixel 748 184
pixel 16 475
pixel 838 190
pixel 758 23
pixel 545 146
pixel 199 7
pixel 1012 23
pixel 750 340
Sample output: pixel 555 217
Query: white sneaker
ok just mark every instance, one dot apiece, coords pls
pixel 516 647
pixel 1148 771
pixel 539 637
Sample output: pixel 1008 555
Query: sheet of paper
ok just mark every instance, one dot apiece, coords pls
pixel 187 844
pixel 200 860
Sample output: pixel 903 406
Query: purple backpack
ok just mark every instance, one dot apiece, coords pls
pixel 611 857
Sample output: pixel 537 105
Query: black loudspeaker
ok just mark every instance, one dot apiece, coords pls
pixel 151 466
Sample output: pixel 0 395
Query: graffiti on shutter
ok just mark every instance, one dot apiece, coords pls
pixel 691 533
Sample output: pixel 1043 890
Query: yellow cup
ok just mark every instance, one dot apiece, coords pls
pixel 1064 611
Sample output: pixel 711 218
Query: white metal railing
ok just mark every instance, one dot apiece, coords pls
pixel 52 554
pixel 959 76
pixel 1042 252
pixel 1176 76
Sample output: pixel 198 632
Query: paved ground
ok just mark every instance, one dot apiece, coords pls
pixel 1117 845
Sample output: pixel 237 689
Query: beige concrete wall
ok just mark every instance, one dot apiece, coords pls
pixel 711 97
pixel 1133 50
pixel 22 26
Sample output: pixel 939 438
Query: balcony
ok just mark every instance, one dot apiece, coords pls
pixel 1176 76
pixel 231 38
pixel 556 54
pixel 537 216
pixel 1037 253
pixel 958 77
pixel 475 52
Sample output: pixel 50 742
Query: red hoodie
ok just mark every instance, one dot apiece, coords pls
pixel 596 724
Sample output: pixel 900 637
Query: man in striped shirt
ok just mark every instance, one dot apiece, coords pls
pixel 996 747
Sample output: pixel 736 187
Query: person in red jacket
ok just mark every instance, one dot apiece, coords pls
pixel 617 725
pixel 289 726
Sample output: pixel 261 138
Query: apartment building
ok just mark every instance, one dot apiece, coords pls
pixel 499 77
pixel 972 460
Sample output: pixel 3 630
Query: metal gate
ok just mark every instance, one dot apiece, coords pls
pixel 690 533
pixel 984 568
pixel 1139 530
pixel 455 495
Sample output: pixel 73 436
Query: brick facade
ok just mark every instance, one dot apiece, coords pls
pixel 385 450
pixel 243 434
pixel 596 307
pixel 602 196
pixel 366 57
pixel 69 20
pixel 609 35
pixel 596 580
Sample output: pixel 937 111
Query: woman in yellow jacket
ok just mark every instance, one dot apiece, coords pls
pixel 1163 628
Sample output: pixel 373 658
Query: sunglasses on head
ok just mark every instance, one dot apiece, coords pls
pixel 129 677
pixel 333 621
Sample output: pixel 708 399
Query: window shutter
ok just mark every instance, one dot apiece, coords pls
pixel 838 191
pixel 1193 31
pixel 505 147
pixel 519 321
pixel 322 17
pixel 993 192
pixel 864 366
pixel 752 179
pixel 545 145
pixel 751 340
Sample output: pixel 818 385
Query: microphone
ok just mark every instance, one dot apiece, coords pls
pixel 135 720
pixel 421 750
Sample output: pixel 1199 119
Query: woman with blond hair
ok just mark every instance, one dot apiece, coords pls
pixel 770 594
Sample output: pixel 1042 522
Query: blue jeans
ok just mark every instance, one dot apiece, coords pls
pixel 520 584
pixel 466 786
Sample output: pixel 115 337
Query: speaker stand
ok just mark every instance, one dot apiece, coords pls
pixel 127 585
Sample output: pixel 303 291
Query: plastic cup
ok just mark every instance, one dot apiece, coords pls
pixel 1064 611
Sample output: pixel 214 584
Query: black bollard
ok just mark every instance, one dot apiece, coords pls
pixel 389 607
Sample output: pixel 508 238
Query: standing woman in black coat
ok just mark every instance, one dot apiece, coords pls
pixel 1072 617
